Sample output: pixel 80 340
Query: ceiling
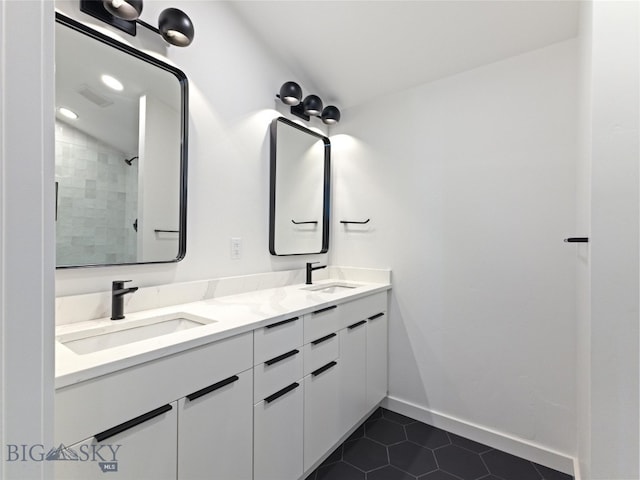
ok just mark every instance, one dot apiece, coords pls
pixel 355 51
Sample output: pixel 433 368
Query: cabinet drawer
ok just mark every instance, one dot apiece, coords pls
pixel 320 352
pixel 362 308
pixel 86 408
pixel 321 322
pixel 276 373
pixel 277 338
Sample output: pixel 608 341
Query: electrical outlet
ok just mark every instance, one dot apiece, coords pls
pixel 236 248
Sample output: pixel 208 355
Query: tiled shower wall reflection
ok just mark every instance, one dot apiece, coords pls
pixel 97 200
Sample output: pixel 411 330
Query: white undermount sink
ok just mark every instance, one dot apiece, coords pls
pixel 118 334
pixel 330 287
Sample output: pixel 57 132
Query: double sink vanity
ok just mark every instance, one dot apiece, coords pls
pixel 256 385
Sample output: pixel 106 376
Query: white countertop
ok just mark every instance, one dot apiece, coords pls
pixel 233 314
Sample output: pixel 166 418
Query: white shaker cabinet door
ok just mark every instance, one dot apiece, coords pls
pixel 143 448
pixel 215 430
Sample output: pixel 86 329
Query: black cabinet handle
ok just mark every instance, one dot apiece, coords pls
pixel 282 322
pixel 577 240
pixel 329 365
pixel 324 309
pixel 212 388
pixel 377 315
pixel 282 392
pixel 279 358
pixel 131 423
pixel 323 339
pixel 357 324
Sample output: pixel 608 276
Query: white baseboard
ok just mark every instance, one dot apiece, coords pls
pixel 507 443
pixel 576 469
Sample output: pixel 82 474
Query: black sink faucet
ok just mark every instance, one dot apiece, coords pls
pixel 117 298
pixel 311 268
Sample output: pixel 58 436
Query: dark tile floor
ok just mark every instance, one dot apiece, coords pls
pixel 389 446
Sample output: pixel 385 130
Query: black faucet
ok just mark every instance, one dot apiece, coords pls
pixel 311 268
pixel 117 298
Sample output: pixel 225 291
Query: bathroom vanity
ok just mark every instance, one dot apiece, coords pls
pixel 263 385
pixel 257 383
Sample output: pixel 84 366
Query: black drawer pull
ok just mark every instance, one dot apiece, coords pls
pixel 323 339
pixel 324 309
pixel 357 324
pixel 282 392
pixel 131 423
pixel 329 365
pixel 212 388
pixel 279 358
pixel 282 322
pixel 377 315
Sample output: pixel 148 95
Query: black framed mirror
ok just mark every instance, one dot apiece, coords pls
pixel 121 152
pixel 300 190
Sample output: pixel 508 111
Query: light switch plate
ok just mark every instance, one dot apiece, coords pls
pixel 236 248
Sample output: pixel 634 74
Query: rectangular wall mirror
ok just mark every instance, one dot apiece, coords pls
pixel 300 190
pixel 121 152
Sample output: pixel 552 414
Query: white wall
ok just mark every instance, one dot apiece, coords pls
pixel 27 245
pixel 233 80
pixel 470 185
pixel 615 360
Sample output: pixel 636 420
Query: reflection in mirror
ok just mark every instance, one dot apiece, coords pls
pixel 300 185
pixel 120 152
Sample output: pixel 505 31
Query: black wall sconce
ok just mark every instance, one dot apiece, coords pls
pixel 173 25
pixel 311 106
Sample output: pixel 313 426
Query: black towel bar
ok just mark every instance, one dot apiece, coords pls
pixel 357 223
pixel 301 223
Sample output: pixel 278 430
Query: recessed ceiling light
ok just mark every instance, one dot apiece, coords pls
pixel 68 113
pixel 112 82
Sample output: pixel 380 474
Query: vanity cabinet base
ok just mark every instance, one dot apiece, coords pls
pixel 270 404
